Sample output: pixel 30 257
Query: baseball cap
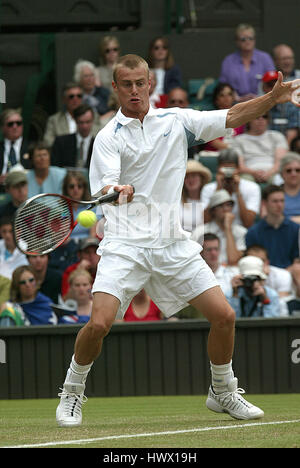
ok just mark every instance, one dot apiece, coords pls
pixel 15 178
pixel 219 197
pixel 270 76
pixel 88 242
pixel 252 266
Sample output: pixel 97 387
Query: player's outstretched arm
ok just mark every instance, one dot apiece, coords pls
pixel 244 112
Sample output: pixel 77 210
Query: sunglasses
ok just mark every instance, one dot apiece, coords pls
pixel 14 122
pixel 157 47
pixel 246 38
pixel 72 186
pixel 113 49
pixel 29 280
pixel 293 170
pixel 72 96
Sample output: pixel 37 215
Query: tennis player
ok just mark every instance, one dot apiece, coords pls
pixel 144 245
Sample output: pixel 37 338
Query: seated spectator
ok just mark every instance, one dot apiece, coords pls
pixel 64 255
pixel 43 178
pixel 290 173
pixel 17 187
pixel 245 193
pixel 211 254
pixel 276 233
pixel 88 260
pixel 75 150
pixel 231 235
pixel 196 177
pixel 260 150
pixel 223 98
pixel 284 59
pixel 48 279
pixel 178 97
pixel 160 59
pixel 284 118
pixel 62 122
pixel 75 186
pixel 295 144
pixel 24 292
pixel 156 100
pixel 109 49
pixel 278 279
pixel 96 97
pixel 13 148
pixel 142 309
pixel 10 256
pixel 244 68
pixel 79 296
pixel 250 297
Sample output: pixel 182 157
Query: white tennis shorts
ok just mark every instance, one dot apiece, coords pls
pixel 172 275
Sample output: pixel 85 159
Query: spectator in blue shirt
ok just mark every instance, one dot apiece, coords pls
pixel 290 173
pixel 250 297
pixel 275 232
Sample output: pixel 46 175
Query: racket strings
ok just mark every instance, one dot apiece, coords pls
pixel 43 223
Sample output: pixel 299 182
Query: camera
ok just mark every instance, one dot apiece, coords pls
pixel 248 282
pixel 228 172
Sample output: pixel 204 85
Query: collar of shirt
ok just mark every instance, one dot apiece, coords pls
pixel 123 120
pixel 17 145
pixel 253 58
pixel 285 222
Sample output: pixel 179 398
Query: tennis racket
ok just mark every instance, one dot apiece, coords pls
pixel 45 221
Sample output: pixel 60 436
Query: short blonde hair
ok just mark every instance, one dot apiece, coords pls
pixel 131 61
pixel 243 27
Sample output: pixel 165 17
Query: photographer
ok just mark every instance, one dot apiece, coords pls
pixel 250 297
pixel 245 193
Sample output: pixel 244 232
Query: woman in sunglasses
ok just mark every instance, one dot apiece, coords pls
pixel 160 58
pixel 290 173
pixel 75 186
pixel 24 292
pixel 109 49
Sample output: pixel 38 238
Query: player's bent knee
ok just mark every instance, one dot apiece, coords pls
pixel 99 327
pixel 225 318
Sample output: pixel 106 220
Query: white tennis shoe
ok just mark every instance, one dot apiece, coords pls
pixel 68 412
pixel 233 403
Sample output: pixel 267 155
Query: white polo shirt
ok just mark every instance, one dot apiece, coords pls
pixel 151 156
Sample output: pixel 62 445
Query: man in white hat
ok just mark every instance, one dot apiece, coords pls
pixel 231 235
pixel 250 297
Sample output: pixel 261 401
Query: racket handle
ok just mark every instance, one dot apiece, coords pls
pixel 110 197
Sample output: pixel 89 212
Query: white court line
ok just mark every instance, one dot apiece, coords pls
pixel 149 434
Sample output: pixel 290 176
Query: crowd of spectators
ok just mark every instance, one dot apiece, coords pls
pixel 245 213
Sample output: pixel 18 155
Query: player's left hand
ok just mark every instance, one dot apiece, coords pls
pixel 285 91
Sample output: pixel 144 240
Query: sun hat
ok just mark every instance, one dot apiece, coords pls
pixel 252 266
pixel 220 197
pixel 197 167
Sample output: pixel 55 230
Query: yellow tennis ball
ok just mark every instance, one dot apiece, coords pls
pixel 87 218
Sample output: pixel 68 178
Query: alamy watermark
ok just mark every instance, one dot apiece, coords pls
pixel 2 92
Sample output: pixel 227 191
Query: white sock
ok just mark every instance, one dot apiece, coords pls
pixel 221 375
pixel 77 373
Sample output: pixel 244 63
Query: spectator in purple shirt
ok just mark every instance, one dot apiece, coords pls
pixel 244 69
